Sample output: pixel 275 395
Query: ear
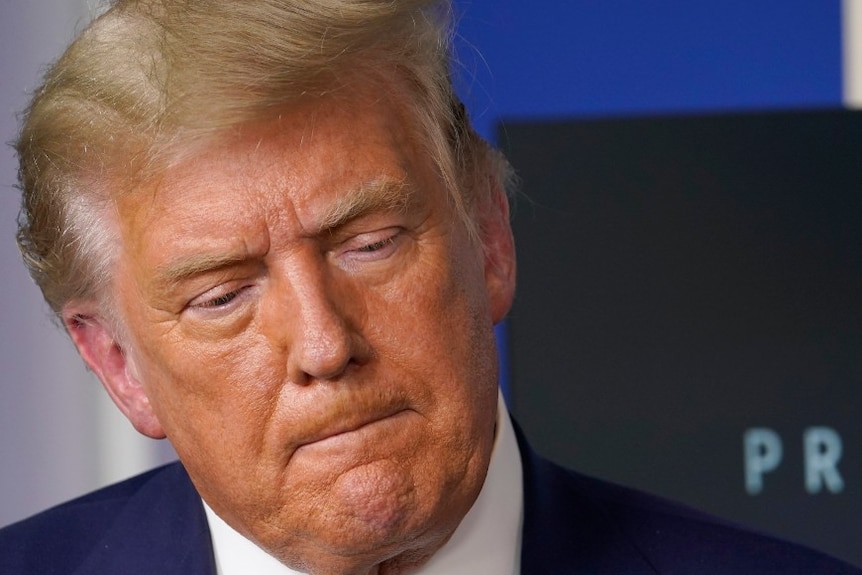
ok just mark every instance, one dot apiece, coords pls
pixel 98 346
pixel 499 249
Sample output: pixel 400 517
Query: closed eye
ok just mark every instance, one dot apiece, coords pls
pixel 368 248
pixel 216 299
pixel 378 245
pixel 219 301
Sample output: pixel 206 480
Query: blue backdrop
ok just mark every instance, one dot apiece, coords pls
pixel 554 58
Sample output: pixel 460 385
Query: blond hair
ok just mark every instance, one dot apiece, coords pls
pixel 149 77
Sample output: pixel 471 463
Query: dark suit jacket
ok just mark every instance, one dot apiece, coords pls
pixel 154 524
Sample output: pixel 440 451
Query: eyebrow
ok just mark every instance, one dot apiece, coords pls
pixel 380 195
pixel 377 195
pixel 176 271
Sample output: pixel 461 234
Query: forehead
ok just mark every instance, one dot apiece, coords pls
pixel 290 172
pixel 305 149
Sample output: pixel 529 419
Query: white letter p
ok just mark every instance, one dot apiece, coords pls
pixel 763 452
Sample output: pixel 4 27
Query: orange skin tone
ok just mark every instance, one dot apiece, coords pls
pixel 311 326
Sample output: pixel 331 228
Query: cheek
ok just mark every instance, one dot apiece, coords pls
pixel 437 325
pixel 206 396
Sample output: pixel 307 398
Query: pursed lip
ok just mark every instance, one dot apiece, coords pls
pixel 350 425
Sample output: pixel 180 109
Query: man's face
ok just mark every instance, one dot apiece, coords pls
pixel 311 326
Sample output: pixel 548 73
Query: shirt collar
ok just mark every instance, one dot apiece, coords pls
pixel 488 540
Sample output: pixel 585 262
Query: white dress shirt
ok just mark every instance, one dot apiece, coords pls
pixel 487 542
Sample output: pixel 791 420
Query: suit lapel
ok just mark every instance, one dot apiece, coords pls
pixel 161 530
pixel 565 530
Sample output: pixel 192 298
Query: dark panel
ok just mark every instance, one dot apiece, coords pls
pixel 683 280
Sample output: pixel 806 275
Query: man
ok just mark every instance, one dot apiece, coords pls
pixel 271 232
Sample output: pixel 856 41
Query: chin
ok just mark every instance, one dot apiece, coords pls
pixel 359 550
pixel 376 514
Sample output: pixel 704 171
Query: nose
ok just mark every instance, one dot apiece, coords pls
pixel 322 339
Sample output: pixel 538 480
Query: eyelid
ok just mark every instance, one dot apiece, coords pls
pixel 361 242
pixel 203 289
pixel 204 301
pixel 374 246
pixel 370 246
pixel 216 301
